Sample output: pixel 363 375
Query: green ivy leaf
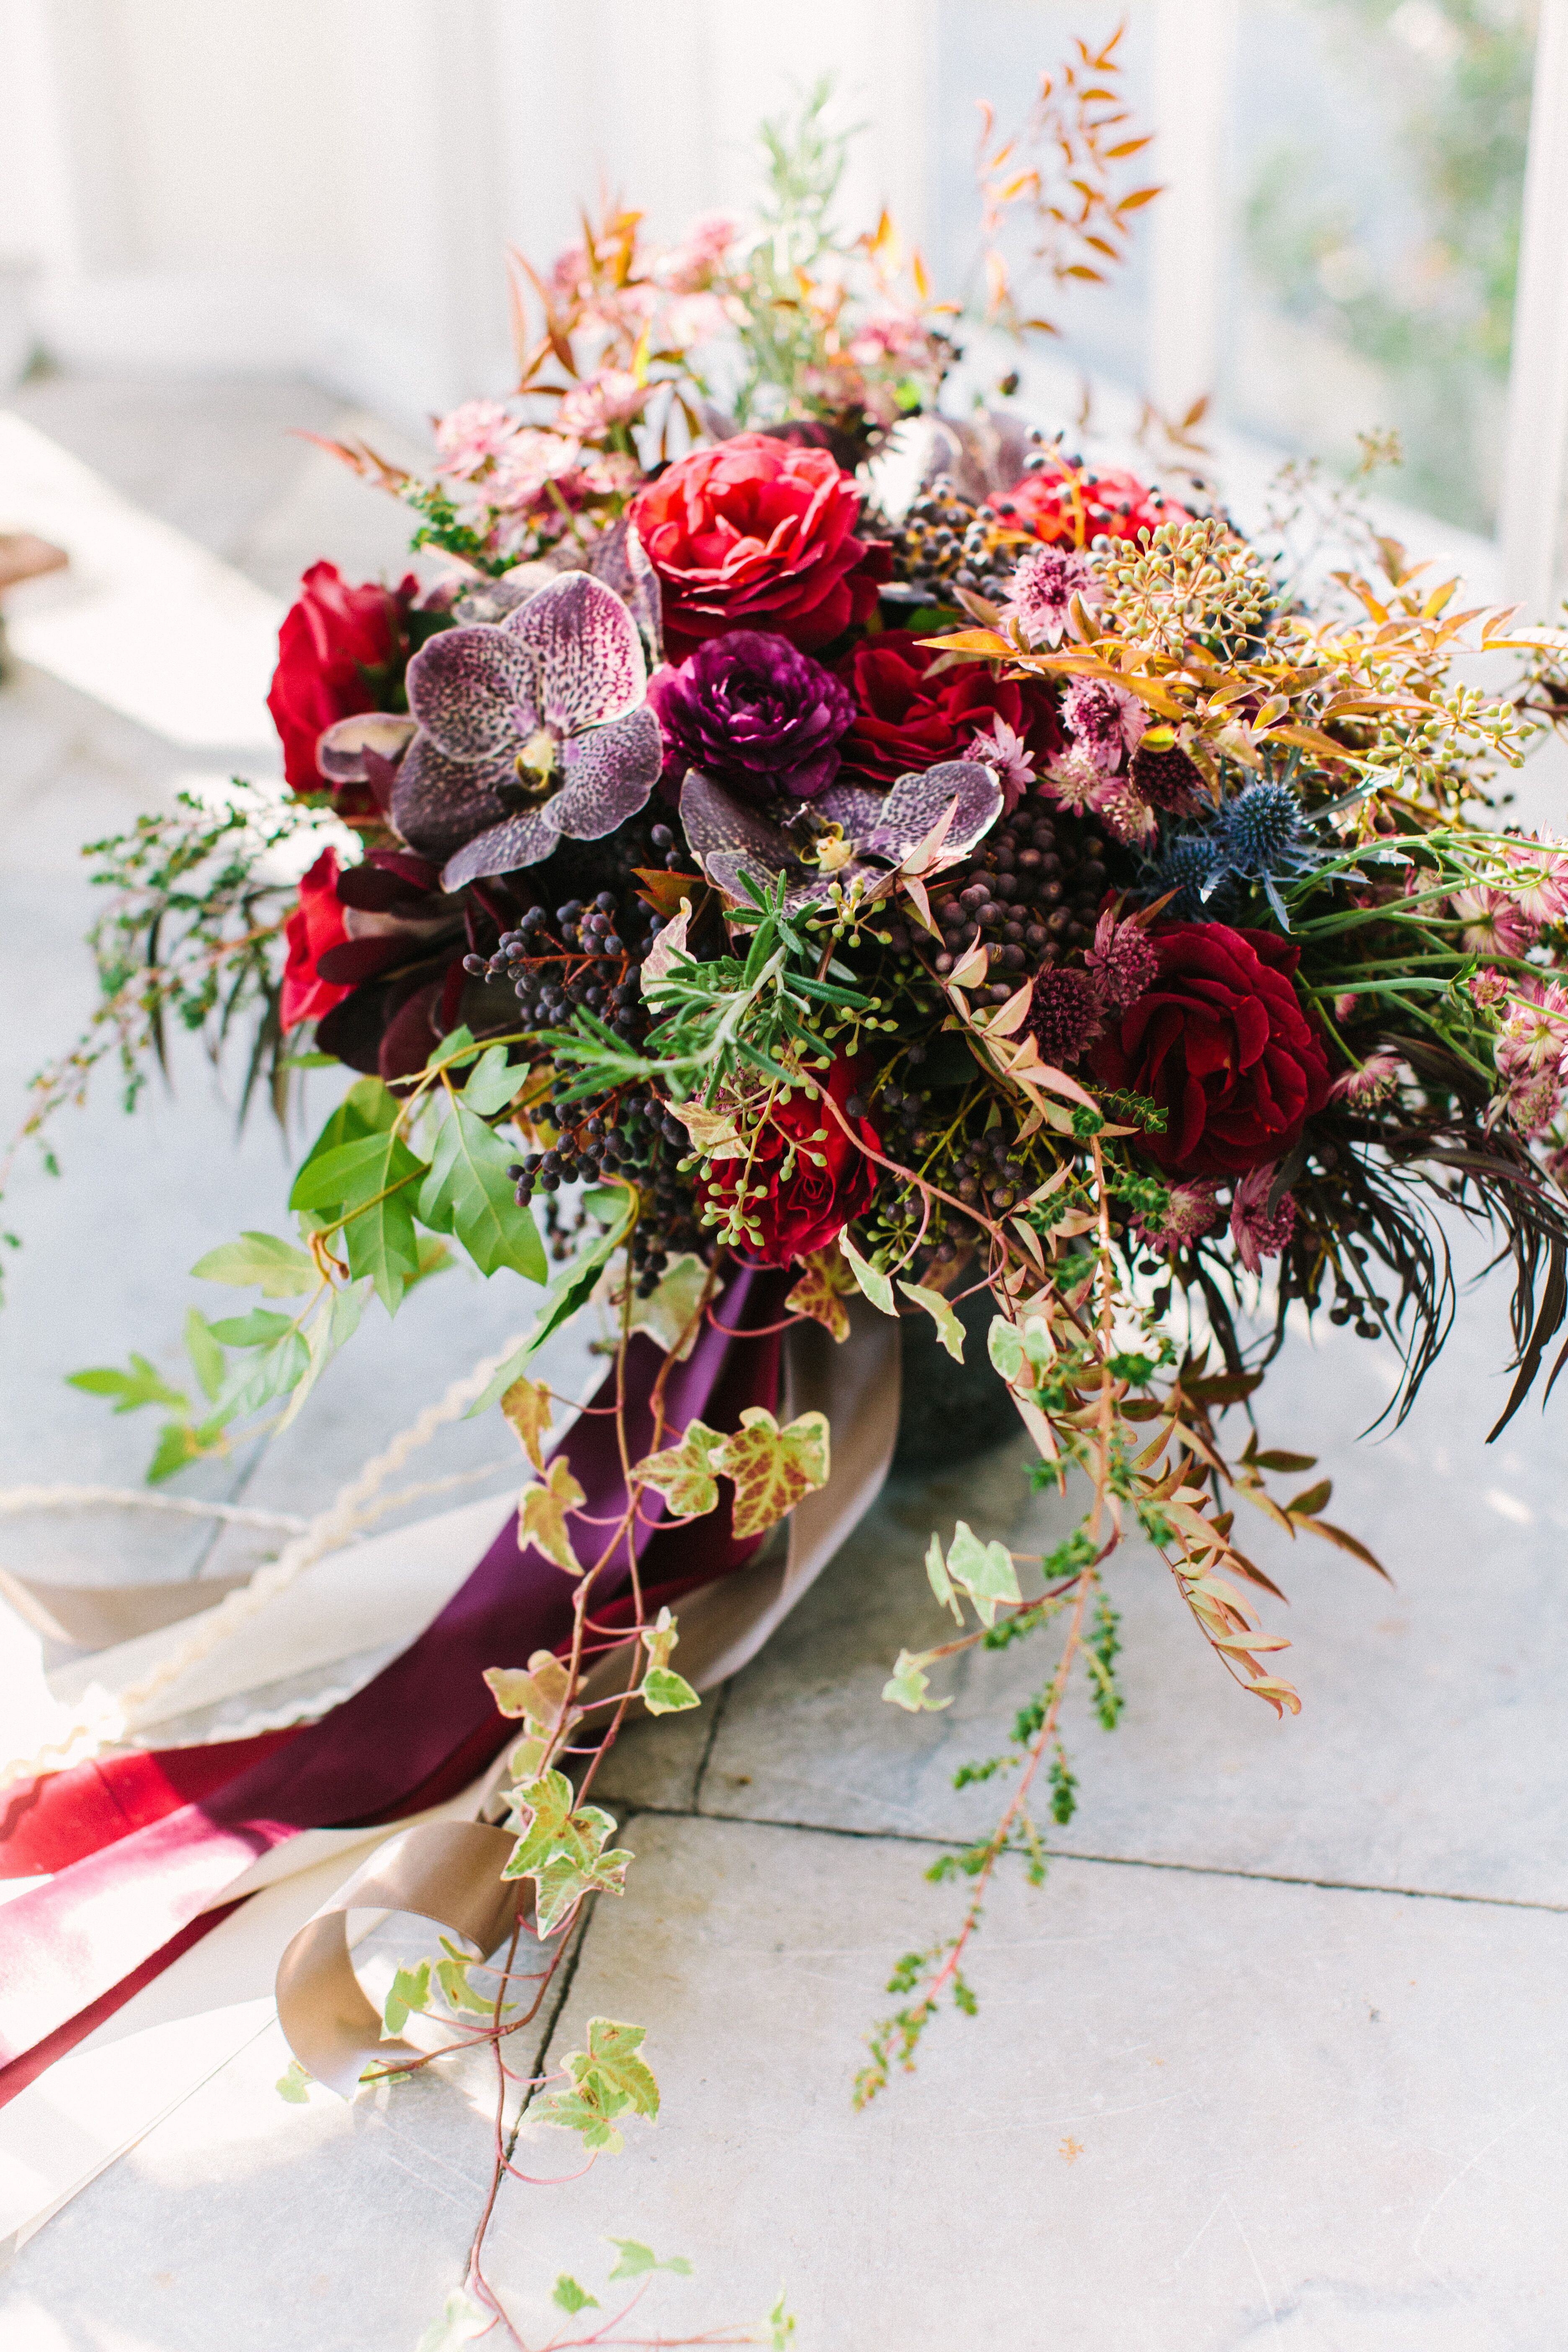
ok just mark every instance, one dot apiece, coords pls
pixel 461 2320
pixel 635 2261
pixel 260 1262
pixel 876 1284
pixel 469 1194
pixel 205 1351
pixel 610 2078
pixel 984 1570
pixel 294 2084
pixel 144 1383
pixel 665 1692
pixel 492 1082
pixel 573 2298
pixel 908 1684
pixel 949 1329
pixel 368 1109
pixel 1005 1346
pixel 366 1183
pixel 410 1990
pixel 252 1330
pixel 562 1850
pixel 936 1571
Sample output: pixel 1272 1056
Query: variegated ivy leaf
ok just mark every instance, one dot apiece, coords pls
pixel 562 1851
pixel 572 2298
pixel 684 1474
pixel 610 2078
pixel 526 1406
pixel 663 1691
pixel 909 1683
pixel 826 1281
pixel 873 1283
pixel 661 1638
pixel 543 1509
pixel 1005 1346
pixel 537 1693
pixel 985 1571
pixel 941 1584
pixel 949 1329
pixel 634 2260
pixel 457 1988
pixel 410 1992
pixel 773 1468
pixel 714 1135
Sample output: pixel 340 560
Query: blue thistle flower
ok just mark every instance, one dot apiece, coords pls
pixel 1262 836
pixel 1194 866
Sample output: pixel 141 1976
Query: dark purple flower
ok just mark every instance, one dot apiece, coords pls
pixel 753 712
pixel 530 728
pixel 847 837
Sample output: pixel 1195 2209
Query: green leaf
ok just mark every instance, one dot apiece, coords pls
pixel 368 1183
pixel 941 1584
pixel 143 1384
pixel 469 1194
pixel 354 1173
pixel 562 1850
pixel 330 1329
pixel 368 1109
pixel 1005 1346
pixel 949 1329
pixel 492 1082
pixel 260 1262
pixel 252 1330
pixel 876 1284
pixel 908 1684
pixel 263 1376
pixel 684 1474
pixel 202 1346
pixel 610 2078
pixel 571 1288
pixel 664 1692
pixel 410 1990
pixel 294 2084
pixel 181 1442
pixel 636 2260
pixel 984 1570
pixel 461 2320
pixel 571 2297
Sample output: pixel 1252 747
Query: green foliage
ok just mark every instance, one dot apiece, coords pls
pixel 468 1193
pixel 294 2084
pixel 142 1384
pixel 666 1692
pixel 608 2079
pixel 260 1262
pixel 461 2320
pixel 410 1993
pixel 573 2298
pixel 561 1849
pixel 635 2261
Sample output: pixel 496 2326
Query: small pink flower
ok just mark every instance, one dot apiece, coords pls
pixel 687 268
pixel 1258 1233
pixel 1073 780
pixel 1122 963
pixel 471 436
pixel 1001 747
pixel 1191 1209
pixel 613 396
pixel 1532 1103
pixel 1488 988
pixel 1043 588
pixel 1104 721
pixel 1541 890
pixel 1372 1083
pixel 1534 1033
pixel 1123 810
pixel 1495 924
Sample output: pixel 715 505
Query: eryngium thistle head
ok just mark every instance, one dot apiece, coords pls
pixel 1064 1014
pixel 1191 860
pixel 1260 830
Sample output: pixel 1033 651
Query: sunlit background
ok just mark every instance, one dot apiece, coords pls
pixel 327 187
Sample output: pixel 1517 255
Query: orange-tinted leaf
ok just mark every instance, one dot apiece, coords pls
pixel 684 1474
pixel 526 1406
pixel 543 1509
pixel 773 1468
pixel 826 1281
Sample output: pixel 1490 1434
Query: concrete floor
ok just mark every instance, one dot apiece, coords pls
pixel 1277 2057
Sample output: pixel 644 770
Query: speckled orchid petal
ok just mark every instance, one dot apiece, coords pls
pixel 725 869
pixel 439 803
pixel 589 655
pixel 474 690
pixel 609 774
pixel 712 819
pixel 917 801
pixel 340 753
pixel 517 841
pixel 858 811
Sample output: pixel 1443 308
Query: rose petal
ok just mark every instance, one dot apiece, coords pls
pixel 917 801
pixel 340 752
pixel 474 689
pixel 610 772
pixel 519 841
pixel 590 656
pixel 439 803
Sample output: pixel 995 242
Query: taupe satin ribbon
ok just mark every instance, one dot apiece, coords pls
pixel 449 1872
pixel 445 1872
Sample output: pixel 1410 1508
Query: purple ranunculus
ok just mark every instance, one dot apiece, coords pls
pixel 751 710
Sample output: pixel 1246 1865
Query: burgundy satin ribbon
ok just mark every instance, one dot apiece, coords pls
pixel 416 1734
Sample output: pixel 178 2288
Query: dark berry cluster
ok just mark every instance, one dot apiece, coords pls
pixel 946 540
pixel 1031 891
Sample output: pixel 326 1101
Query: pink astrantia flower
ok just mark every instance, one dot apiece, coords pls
pixel 1043 588
pixel 1495 924
pixel 1001 747
pixel 471 436
pixel 1073 780
pixel 1123 810
pixel 1534 1033
pixel 1103 720
pixel 1373 1082
pixel 687 268
pixel 1257 1233
pixel 613 396
pixel 1122 963
pixel 1190 1210
pixel 1540 886
pixel 1487 987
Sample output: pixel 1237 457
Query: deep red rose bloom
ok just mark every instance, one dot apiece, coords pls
pixel 805 1210
pixel 757 535
pixel 315 927
pixel 909 719
pixel 1067 509
pixel 1221 1043
pixel 328 643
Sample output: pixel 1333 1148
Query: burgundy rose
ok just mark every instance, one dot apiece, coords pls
pixel 910 718
pixel 1221 1043
pixel 755 714
pixel 755 534
pixel 339 650
pixel 315 927
pixel 807 1209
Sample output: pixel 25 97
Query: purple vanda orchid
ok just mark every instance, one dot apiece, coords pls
pixel 847 837
pixel 526 729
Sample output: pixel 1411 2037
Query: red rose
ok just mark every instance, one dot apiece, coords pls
pixel 804 1210
pixel 1068 509
pixel 314 928
pixel 757 535
pixel 330 643
pixel 909 719
pixel 1221 1043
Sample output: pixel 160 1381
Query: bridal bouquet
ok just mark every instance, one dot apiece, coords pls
pixel 800 862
